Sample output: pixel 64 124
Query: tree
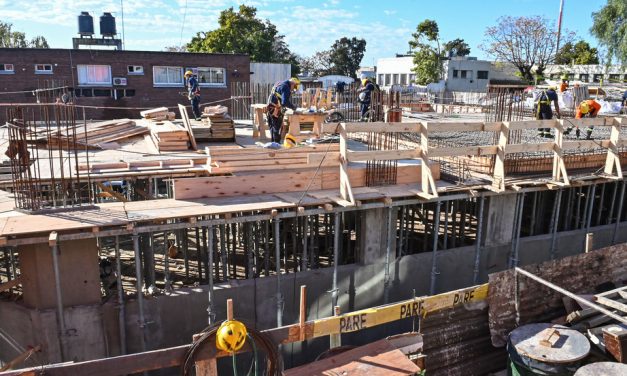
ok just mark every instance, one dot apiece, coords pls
pixel 182 48
pixel 17 39
pixel 242 32
pixel 579 53
pixel 609 26
pixel 456 47
pixel 525 42
pixel 346 55
pixel 427 55
pixel 319 64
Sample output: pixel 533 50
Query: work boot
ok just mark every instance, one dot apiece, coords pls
pixel 567 131
pixel 589 135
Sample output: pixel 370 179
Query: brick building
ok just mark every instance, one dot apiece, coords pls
pixel 112 78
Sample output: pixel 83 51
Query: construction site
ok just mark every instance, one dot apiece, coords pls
pixel 428 233
pixel 416 242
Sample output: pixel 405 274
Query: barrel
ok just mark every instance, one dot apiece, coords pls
pixel 545 349
pixel 602 369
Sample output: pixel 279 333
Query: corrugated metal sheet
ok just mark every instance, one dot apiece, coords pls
pixel 269 73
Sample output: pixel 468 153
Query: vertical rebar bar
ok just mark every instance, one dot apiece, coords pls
pixel 139 288
pixel 434 259
pixel 478 240
pixel 210 293
pixel 619 212
pixel 121 302
pixel 277 259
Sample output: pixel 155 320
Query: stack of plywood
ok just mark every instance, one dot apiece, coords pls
pixel 158 114
pixel 218 126
pixel 169 137
pixel 95 134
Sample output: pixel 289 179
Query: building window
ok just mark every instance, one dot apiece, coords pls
pixel 597 78
pixel 404 79
pixel 167 76
pixel 412 78
pixel 94 75
pixel 388 79
pixel 455 73
pixel 380 80
pixel 614 77
pixel 571 76
pixel 135 70
pixel 553 76
pixel 482 75
pixel 211 76
pixel 43 68
pixel 584 77
pixel 464 74
pixel 625 78
pixel 7 69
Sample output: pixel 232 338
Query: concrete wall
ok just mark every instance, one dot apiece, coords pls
pixel 472 82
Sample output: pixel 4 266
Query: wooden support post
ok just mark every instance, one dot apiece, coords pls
pixel 498 179
pixel 560 176
pixel 428 190
pixel 335 340
pixel 229 309
pixel 613 161
pixel 303 312
pixel 345 186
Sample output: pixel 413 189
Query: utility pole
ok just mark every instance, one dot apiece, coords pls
pixel 124 34
pixel 559 26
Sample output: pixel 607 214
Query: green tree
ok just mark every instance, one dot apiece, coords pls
pixel 525 42
pixel 579 53
pixel 345 56
pixel 319 64
pixel 242 32
pixel 609 26
pixel 456 47
pixel 427 53
pixel 17 39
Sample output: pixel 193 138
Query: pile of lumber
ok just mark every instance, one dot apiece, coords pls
pixel 168 136
pixel 158 114
pixel 217 125
pixel 95 134
pixel 230 159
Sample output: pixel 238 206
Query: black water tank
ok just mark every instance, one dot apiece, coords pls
pixel 107 25
pixel 85 24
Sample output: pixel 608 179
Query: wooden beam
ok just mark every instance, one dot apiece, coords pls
pixel 382 155
pixel 559 174
pixel 346 191
pixel 462 150
pixel 612 161
pixel 188 126
pixel 527 148
pixel 118 196
pixel 498 179
pixel 381 127
pixel 428 189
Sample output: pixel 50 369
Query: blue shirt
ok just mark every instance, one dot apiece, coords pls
pixel 192 86
pixel 368 89
pixel 283 91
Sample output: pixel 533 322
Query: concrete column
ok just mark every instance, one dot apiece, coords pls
pixel 373 237
pixel 499 220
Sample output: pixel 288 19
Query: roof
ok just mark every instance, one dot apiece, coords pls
pixel 114 51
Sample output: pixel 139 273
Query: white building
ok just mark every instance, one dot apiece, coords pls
pixel 614 74
pixel 269 73
pixel 460 73
pixel 332 79
pixel 395 71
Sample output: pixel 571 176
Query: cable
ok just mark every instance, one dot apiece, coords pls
pixel 34 90
pixel 183 24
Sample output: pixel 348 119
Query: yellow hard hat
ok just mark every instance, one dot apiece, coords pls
pixel 552 88
pixel 231 336
pixel 564 77
pixel 289 142
pixel 189 73
pixel 584 107
pixel 296 81
pixel 363 81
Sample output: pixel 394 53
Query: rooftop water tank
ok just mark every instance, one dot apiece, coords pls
pixel 85 24
pixel 107 25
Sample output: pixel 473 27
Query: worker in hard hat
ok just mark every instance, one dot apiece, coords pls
pixel 193 93
pixel 564 85
pixel 278 102
pixel 365 96
pixel 587 108
pixel 543 109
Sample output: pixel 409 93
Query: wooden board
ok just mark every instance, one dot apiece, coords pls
pixel 378 358
pixel 188 126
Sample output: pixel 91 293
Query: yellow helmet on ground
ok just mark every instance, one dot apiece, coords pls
pixel 189 73
pixel 289 142
pixel 584 107
pixel 296 82
pixel 231 336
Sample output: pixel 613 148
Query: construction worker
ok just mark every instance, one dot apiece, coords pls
pixel 193 93
pixel 587 108
pixel 543 109
pixel 365 95
pixel 624 109
pixel 278 102
pixel 564 85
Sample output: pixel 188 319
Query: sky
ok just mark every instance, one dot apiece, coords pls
pixel 309 26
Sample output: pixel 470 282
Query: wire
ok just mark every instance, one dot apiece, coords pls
pixel 183 24
pixel 34 90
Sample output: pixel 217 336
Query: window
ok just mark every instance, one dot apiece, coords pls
pixel 614 77
pixel 584 77
pixel 388 79
pixel 102 92
pixel 211 76
pixel 167 76
pixel 380 79
pixel 43 68
pixel 94 75
pixel 7 69
pixel 412 78
pixel 482 75
pixel 571 76
pixel 464 74
pixel 455 73
pixel 403 79
pixel 135 69
pixel 597 78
